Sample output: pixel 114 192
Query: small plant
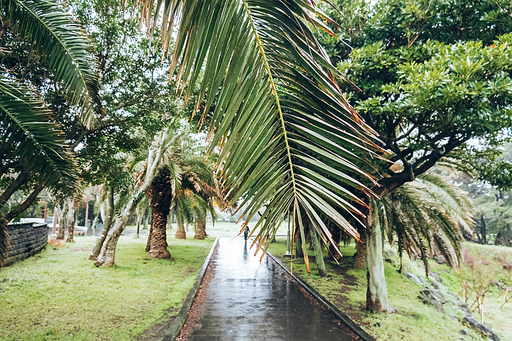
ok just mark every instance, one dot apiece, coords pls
pixel 477 276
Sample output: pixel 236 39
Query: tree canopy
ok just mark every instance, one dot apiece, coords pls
pixel 432 76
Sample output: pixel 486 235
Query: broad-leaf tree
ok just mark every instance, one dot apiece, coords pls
pixel 432 76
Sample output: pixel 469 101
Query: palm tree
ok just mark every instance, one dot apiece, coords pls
pixel 161 193
pixel 202 207
pixel 284 128
pixel 31 142
pixel 188 188
pixel 426 217
pixel 196 198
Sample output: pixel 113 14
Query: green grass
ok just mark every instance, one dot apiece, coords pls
pixel 60 295
pixel 345 287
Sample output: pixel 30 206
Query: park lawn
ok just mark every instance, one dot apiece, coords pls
pixel 59 294
pixel 345 287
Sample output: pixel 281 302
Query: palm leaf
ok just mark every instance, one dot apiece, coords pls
pixel 279 116
pixel 427 213
pixel 64 44
pixel 38 142
pixel 26 127
pixel 452 199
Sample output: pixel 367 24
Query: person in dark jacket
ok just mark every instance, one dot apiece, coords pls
pixel 246 233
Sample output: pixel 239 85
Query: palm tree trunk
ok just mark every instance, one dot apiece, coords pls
pixel 334 253
pixel 139 218
pixel 360 255
pixel 169 221
pixel 158 241
pixel 150 237
pixel 158 245
pixel 376 292
pixel 161 197
pixel 200 229
pixel 181 233
pixel 299 253
pixel 319 253
pixel 146 219
pixel 56 212
pixel 107 210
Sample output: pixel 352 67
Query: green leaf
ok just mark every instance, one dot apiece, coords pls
pixel 40 144
pixel 65 45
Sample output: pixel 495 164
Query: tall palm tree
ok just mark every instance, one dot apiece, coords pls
pixel 288 139
pixel 188 188
pixel 29 136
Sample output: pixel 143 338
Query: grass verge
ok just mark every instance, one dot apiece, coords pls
pixel 60 295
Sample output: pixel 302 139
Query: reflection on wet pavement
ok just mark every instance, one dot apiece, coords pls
pixel 247 300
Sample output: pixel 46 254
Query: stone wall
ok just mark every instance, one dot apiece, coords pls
pixel 27 239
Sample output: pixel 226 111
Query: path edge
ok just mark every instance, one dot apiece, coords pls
pixel 328 305
pixel 174 330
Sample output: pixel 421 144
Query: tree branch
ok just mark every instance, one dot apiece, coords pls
pixel 24 205
pixel 22 178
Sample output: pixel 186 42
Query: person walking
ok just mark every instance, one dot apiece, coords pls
pixel 246 233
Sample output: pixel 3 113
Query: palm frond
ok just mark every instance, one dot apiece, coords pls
pixel 451 198
pixel 289 140
pixel 427 213
pixel 39 143
pixel 66 46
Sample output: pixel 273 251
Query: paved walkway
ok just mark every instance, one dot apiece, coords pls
pixel 247 300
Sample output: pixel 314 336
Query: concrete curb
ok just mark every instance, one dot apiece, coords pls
pixel 174 329
pixel 328 305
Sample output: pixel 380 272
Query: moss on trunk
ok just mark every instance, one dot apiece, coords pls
pixel 376 292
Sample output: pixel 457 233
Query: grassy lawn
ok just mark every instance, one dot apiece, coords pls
pixel 60 295
pixel 345 287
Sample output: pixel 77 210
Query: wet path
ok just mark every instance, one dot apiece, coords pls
pixel 246 300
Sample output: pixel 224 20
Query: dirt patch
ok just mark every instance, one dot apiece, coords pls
pixel 196 312
pixel 346 263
